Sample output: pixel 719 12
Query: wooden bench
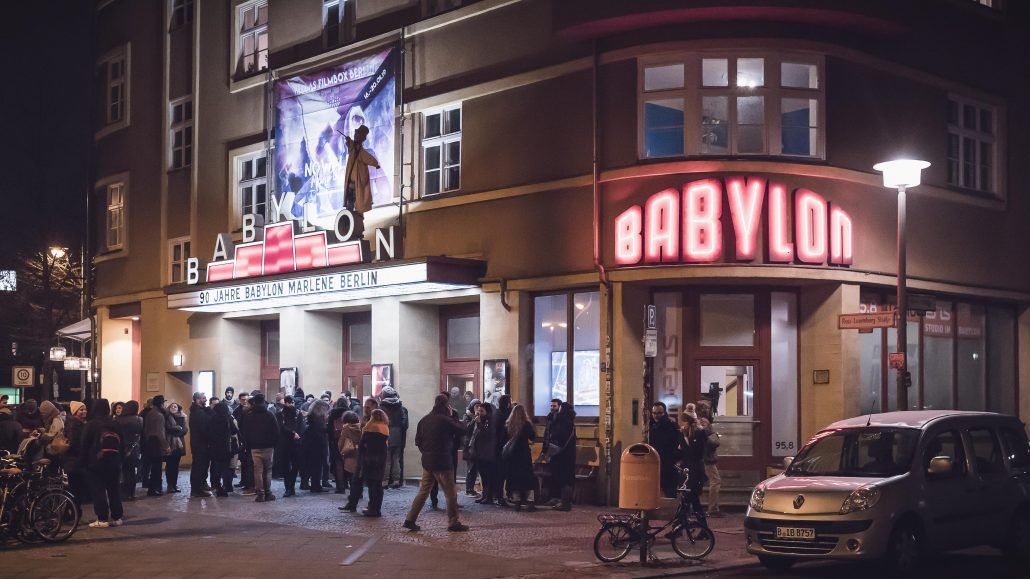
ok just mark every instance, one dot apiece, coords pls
pixel 588 462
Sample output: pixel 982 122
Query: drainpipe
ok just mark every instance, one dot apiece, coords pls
pixel 608 416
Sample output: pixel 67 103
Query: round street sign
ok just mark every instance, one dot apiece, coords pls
pixel 22 375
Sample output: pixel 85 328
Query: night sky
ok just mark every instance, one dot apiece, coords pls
pixel 46 57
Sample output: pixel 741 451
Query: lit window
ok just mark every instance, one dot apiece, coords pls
pixel 178 253
pixel 252 38
pixel 182 13
pixel 337 22
pixel 971 144
pixel 563 323
pixel 114 71
pixel 252 185
pixel 732 105
pixel 441 151
pixel 180 124
pixel 115 216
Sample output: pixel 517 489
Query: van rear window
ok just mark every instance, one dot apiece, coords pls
pixel 1016 447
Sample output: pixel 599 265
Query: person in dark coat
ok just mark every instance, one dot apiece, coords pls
pixel 335 428
pixel 240 414
pixel 314 445
pixel 500 422
pixel 177 444
pixel 469 420
pixel 397 415
pixel 200 418
pixel 434 495
pixel 155 443
pixel 262 437
pixel 131 426
pixel 372 456
pixel 101 459
pixel 28 416
pixel 483 447
pixel 10 431
pixel 664 436
pixel 435 437
pixel 290 429
pixel 562 465
pixel 693 454
pixel 73 428
pixel 220 430
pixel 519 462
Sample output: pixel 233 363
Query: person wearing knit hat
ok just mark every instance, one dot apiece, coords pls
pixel 77 408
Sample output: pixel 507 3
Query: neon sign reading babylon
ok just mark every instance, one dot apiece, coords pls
pixel 675 226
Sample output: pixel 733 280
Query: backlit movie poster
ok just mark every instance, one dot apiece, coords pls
pixel 313 113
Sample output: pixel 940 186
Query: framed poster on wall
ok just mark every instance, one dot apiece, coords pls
pixel 382 376
pixel 288 380
pixel 495 380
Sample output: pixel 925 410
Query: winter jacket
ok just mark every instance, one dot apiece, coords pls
pixel 52 421
pixel 665 437
pixel 155 433
pixel 219 430
pixel 434 436
pixel 262 429
pixel 289 424
pixel 176 432
pixel 314 445
pixel 131 426
pixel 73 430
pixel 372 451
pixel 91 439
pixel 28 415
pixel 519 465
pixel 483 445
pixel 353 433
pixel 200 418
pixel 562 432
pixel 398 416
pixel 10 431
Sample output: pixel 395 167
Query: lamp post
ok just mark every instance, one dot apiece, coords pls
pixel 902 174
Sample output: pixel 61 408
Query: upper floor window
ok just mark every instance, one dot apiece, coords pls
pixel 251 185
pixel 337 22
pixel 115 217
pixel 441 150
pixel 728 105
pixel 434 7
pixel 114 72
pixel 182 13
pixel 252 38
pixel 178 253
pixel 180 125
pixel 971 144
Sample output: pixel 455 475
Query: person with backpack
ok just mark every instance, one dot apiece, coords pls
pixel 101 460
pixel 156 446
pixel 132 439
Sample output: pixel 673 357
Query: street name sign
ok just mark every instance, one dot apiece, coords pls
pixel 865 321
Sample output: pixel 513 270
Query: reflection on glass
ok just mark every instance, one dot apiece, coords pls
pixel 550 343
pixel 360 343
pixel 799 75
pixel 663 77
pixel 715 122
pixel 750 119
pixel 663 127
pixel 1001 360
pixel 971 357
pixel 727 320
pixel 730 390
pixel 938 351
pixel 798 121
pixel 586 359
pixel 715 72
pixel 750 72
pixel 668 365
pixel 463 338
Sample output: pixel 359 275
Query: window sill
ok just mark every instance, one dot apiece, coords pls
pixel 111 128
pixel 975 193
pixel 111 255
pixel 238 83
pixel 755 157
pixel 172 170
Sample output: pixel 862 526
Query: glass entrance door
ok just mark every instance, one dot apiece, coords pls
pixel 730 388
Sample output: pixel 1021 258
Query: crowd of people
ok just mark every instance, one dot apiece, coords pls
pixel 693 444
pixel 241 442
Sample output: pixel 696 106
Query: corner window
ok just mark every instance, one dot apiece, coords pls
pixel 972 146
pixel 251 182
pixel 730 105
pixel 252 38
pixel 562 324
pixel 114 73
pixel 441 151
pixel 180 125
pixel 178 253
pixel 115 216
pixel 337 22
pixel 182 13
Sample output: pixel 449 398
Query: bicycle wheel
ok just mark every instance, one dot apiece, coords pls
pixel 613 542
pixel 693 541
pixel 54 516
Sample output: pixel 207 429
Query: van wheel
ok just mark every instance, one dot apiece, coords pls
pixel 1017 540
pixel 905 549
pixel 776 563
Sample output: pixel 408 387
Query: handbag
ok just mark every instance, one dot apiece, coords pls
pixel 59 445
pixel 509 448
pixel 347 446
pixel 552 450
pixel 175 444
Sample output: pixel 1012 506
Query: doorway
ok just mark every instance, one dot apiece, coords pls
pixel 733 390
pixel 357 354
pixel 270 358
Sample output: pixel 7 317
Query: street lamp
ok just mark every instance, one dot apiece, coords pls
pixel 58 252
pixel 902 174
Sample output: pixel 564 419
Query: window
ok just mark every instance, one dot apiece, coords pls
pixel 563 323
pixel 114 73
pixel 337 22
pixel 1016 447
pixel 178 253
pixel 986 452
pixel 441 150
pixel 971 144
pixel 732 105
pixel 727 320
pixel 947 444
pixel 463 338
pixel 115 216
pixel 252 184
pixel 182 13
pixel 252 38
pixel 180 124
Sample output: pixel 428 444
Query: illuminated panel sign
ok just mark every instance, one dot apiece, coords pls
pixel 686 226
pixel 8 280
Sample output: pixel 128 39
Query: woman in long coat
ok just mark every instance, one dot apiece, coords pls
pixel 372 453
pixel 519 462
pixel 314 445
pixel 220 431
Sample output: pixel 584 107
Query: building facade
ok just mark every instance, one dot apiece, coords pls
pixel 547 170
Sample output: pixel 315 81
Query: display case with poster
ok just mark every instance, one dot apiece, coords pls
pixel 495 380
pixel 288 380
pixel 382 376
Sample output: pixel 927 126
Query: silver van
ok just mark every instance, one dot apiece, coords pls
pixel 896 486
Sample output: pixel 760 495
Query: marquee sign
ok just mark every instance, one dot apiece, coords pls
pixel 676 226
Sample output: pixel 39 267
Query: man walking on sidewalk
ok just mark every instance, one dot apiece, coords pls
pixel 435 436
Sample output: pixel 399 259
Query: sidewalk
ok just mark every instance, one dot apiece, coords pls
pixel 175 536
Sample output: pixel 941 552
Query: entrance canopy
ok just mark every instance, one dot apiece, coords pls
pixel 80 331
pixel 424 275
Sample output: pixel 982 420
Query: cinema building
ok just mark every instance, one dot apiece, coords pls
pixel 546 170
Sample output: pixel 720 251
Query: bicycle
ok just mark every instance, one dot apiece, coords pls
pixel 34 505
pixel 689 533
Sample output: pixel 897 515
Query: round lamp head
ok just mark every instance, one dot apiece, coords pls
pixel 58 252
pixel 901 173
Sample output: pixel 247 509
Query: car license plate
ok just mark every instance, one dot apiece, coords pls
pixel 794 533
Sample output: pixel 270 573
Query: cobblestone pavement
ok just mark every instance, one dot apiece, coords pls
pixel 176 536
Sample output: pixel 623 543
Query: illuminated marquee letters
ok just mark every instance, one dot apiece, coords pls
pixel 687 226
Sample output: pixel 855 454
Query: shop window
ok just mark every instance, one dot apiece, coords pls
pixel 732 105
pixel 178 253
pixel 251 181
pixel 727 320
pixel 180 125
pixel 939 357
pixel 1001 360
pixel 668 365
pixel 337 22
pixel 783 343
pixel 972 357
pixel 563 323
pixel 441 151
pixel 252 38
pixel 972 144
pixel 115 216
pixel 182 13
